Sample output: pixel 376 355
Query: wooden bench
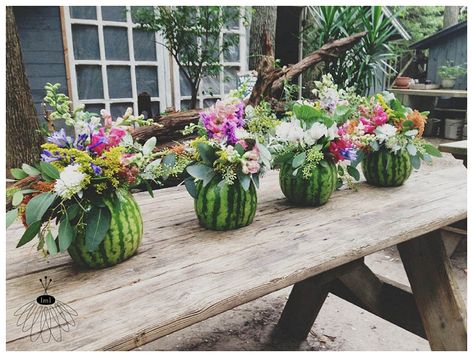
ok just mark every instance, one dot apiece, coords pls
pixel 184 274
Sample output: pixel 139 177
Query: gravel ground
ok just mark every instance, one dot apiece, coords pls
pixel 340 325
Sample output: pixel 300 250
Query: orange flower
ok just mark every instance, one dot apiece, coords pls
pixel 352 126
pixel 177 149
pixel 419 121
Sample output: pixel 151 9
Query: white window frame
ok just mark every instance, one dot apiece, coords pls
pixel 242 64
pixel 162 62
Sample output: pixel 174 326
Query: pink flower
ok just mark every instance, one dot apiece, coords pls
pixel 107 118
pixel 115 136
pixel 252 155
pixel 368 125
pixel 380 117
pixel 250 167
pixel 243 144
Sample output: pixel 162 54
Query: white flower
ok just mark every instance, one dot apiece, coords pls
pixel 332 132
pixel 291 132
pixel 69 182
pixel 249 112
pixel 241 133
pixel 388 96
pixel 412 132
pixel 385 131
pixel 317 131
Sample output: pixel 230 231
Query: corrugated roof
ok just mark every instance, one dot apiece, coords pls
pixel 428 41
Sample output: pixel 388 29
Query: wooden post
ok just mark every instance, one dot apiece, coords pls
pixel 435 291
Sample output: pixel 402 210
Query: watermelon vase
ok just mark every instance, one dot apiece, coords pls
pixel 386 169
pixel 224 207
pixel 121 241
pixel 314 191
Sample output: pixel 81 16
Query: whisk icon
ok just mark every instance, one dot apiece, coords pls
pixel 45 317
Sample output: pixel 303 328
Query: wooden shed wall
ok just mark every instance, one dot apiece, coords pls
pixel 39 29
pixel 450 48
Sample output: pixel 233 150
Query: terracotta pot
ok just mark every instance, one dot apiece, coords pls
pixel 402 81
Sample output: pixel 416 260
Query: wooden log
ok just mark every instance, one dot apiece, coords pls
pixel 437 297
pixel 171 124
pixel 383 297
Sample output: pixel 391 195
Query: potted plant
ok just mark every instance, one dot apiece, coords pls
pixel 449 74
pixel 309 145
pixel 389 136
pixel 226 165
pixel 77 197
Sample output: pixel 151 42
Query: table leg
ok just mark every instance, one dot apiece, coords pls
pixel 435 291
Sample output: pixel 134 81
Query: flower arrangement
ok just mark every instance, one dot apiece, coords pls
pixel 384 123
pixel 313 133
pixel 225 148
pixel 82 180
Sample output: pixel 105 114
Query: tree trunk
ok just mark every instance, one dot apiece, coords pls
pixel 450 16
pixel 23 139
pixel 194 93
pixel 263 20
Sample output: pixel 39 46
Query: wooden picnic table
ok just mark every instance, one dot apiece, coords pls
pixel 184 274
pixel 457 148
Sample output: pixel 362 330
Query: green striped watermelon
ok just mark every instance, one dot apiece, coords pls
pixel 384 168
pixel 226 207
pixel 314 191
pixel 121 241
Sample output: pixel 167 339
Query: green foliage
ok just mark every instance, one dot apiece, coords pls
pixel 191 34
pixel 449 71
pixel 356 67
pixel 420 21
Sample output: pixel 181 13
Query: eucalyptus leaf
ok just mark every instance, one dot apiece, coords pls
pixel 49 170
pixel 98 223
pixel 207 153
pixel 18 174
pixel 11 216
pixel 245 180
pixel 324 163
pixel 199 171
pixel 415 161
pixel 17 198
pixel 51 244
pixel 66 234
pixel 411 149
pixel 169 160
pixel 30 170
pixel 353 172
pixel 30 233
pixel 374 145
pixel 432 150
pixel 149 145
pixel 190 187
pixel 38 205
pixel 149 188
pixel 255 178
pixel 299 159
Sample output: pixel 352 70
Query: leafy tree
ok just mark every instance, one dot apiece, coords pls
pixel 420 21
pixel 358 66
pixel 191 34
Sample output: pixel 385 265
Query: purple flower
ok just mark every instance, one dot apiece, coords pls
pixel 229 129
pixel 97 169
pixel 80 141
pixel 60 139
pixel 47 156
pixel 348 154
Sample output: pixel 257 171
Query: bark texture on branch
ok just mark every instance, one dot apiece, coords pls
pixel 22 137
pixel 172 124
pixel 271 80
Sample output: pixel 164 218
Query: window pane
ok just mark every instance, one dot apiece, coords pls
pixel 118 109
pixel 156 108
pixel 85 41
pixel 119 82
pixel 186 88
pixel 89 82
pixel 94 108
pixel 233 21
pixel 116 43
pixel 114 13
pixel 230 78
pixel 232 54
pixel 83 12
pixel 144 44
pixel 210 102
pixel 147 80
pixel 136 8
pixel 211 85
pixel 186 104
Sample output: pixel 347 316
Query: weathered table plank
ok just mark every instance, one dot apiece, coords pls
pixel 184 274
